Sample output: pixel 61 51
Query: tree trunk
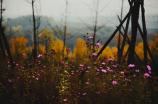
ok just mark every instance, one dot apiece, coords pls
pixel 135 16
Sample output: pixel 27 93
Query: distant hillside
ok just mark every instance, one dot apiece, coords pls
pixel 76 29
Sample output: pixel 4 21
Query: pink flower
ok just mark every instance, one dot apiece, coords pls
pixel 90 37
pixel 81 65
pixel 77 70
pixel 84 93
pixel 110 59
pixel 122 72
pixel 87 71
pixel 36 78
pixel 9 80
pixel 149 68
pixel 103 70
pixel 131 65
pixel 88 67
pixel 114 66
pixel 114 82
pixel 98 92
pixel 9 66
pixel 136 70
pixel 23 54
pixel 103 63
pixel 87 82
pixel 94 54
pixel 98 44
pixel 72 60
pixel 147 75
pixel 64 99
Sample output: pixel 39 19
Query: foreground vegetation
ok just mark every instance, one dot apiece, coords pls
pixel 76 79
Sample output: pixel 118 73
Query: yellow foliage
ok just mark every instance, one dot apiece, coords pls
pixel 58 47
pixel 18 46
pixel 80 50
pixel 107 53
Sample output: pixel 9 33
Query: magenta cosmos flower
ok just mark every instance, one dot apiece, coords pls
pixel 114 82
pixel 90 37
pixel 131 65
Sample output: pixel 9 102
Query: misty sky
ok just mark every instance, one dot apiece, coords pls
pixel 76 8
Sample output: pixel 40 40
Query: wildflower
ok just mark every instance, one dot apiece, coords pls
pixel 114 82
pixel 98 92
pixel 38 74
pixel 134 75
pixel 18 77
pixel 114 66
pixel 103 63
pixel 77 70
pixel 103 83
pixel 88 67
pixel 23 54
pixel 62 62
pixel 90 37
pixel 72 73
pixel 72 60
pixel 122 72
pixel 147 75
pixel 131 65
pixel 149 72
pixel 33 76
pixel 66 66
pixel 84 93
pixel 8 61
pixel 81 65
pixel 64 99
pixel 87 82
pixel 17 64
pixel 87 71
pixel 136 70
pixel 94 54
pixel 103 70
pixel 98 44
pixel 110 59
pixel 36 78
pixel 9 66
pixel 9 80
pixel 149 68
pixel 67 49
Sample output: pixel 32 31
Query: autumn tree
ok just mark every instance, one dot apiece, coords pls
pixel 36 24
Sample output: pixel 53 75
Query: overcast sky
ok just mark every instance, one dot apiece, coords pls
pixel 76 8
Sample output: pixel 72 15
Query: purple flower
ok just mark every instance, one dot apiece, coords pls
pixel 114 66
pixel 72 60
pixel 17 64
pixel 122 72
pixel 87 82
pixel 147 75
pixel 9 66
pixel 90 37
pixel 149 68
pixel 84 93
pixel 98 92
pixel 36 78
pixel 94 54
pixel 103 70
pixel 81 65
pixel 131 65
pixel 136 70
pixel 114 82
pixel 98 44
pixel 38 74
pixel 110 59
pixel 88 67
pixel 87 71
pixel 149 72
pixel 64 99
pixel 62 62
pixel 9 80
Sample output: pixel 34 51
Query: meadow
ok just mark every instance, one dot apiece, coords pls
pixel 77 78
